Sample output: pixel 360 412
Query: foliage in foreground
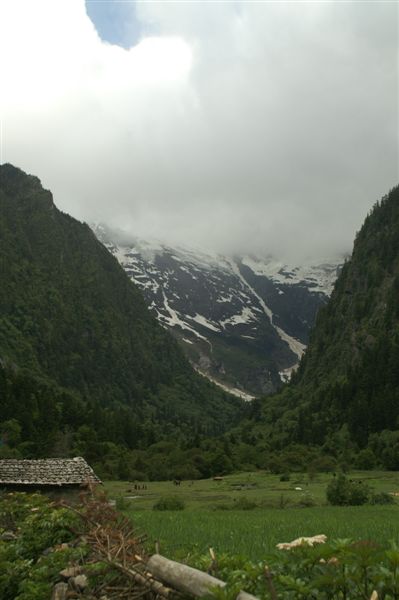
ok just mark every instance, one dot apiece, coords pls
pixel 27 570
pixel 47 538
pixel 341 569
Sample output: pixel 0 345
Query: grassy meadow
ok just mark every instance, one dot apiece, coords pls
pixel 280 512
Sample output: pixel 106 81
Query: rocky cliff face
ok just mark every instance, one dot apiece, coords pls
pixel 243 321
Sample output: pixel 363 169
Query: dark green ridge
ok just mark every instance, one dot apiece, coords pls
pixel 346 390
pixel 78 346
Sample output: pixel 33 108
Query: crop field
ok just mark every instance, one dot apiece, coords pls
pixel 279 512
pixel 255 533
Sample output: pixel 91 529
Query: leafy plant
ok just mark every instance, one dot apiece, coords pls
pixel 26 572
pixel 342 491
pixel 332 571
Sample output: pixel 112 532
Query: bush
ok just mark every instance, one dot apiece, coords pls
pixel 169 503
pixel 285 477
pixel 359 494
pixel 382 498
pixel 343 492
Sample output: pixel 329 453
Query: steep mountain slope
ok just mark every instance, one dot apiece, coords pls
pixel 349 376
pixel 74 326
pixel 243 321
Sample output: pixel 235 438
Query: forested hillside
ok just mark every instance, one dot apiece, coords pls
pixel 82 362
pixel 85 369
pixel 345 395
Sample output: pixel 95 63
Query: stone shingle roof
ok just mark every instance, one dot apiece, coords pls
pixel 47 471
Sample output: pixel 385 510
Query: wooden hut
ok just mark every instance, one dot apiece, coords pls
pixel 52 476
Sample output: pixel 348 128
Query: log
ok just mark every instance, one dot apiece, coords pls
pixel 186 579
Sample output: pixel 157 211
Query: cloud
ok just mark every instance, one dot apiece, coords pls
pixel 237 126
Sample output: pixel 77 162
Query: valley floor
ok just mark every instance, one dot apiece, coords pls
pixel 254 534
pixel 249 513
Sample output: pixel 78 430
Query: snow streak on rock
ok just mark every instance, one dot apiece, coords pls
pixel 295 345
pixel 244 322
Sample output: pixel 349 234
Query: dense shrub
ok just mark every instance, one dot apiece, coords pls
pixel 341 491
pixel 169 503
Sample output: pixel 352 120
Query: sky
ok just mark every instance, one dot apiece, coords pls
pixel 235 126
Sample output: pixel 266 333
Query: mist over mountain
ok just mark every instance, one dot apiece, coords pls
pixel 241 127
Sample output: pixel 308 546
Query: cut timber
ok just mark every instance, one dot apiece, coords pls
pixel 186 579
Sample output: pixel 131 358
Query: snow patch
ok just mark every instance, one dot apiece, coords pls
pixel 317 278
pixel 286 374
pixel 223 299
pixel 295 345
pixel 245 316
pixel 203 321
pixel 174 320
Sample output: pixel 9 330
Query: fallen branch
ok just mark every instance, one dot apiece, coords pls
pixel 186 579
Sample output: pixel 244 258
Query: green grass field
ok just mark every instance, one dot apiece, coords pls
pixel 253 533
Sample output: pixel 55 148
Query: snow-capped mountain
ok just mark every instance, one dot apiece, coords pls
pixel 242 321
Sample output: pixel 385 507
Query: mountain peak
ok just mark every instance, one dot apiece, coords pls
pixel 26 189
